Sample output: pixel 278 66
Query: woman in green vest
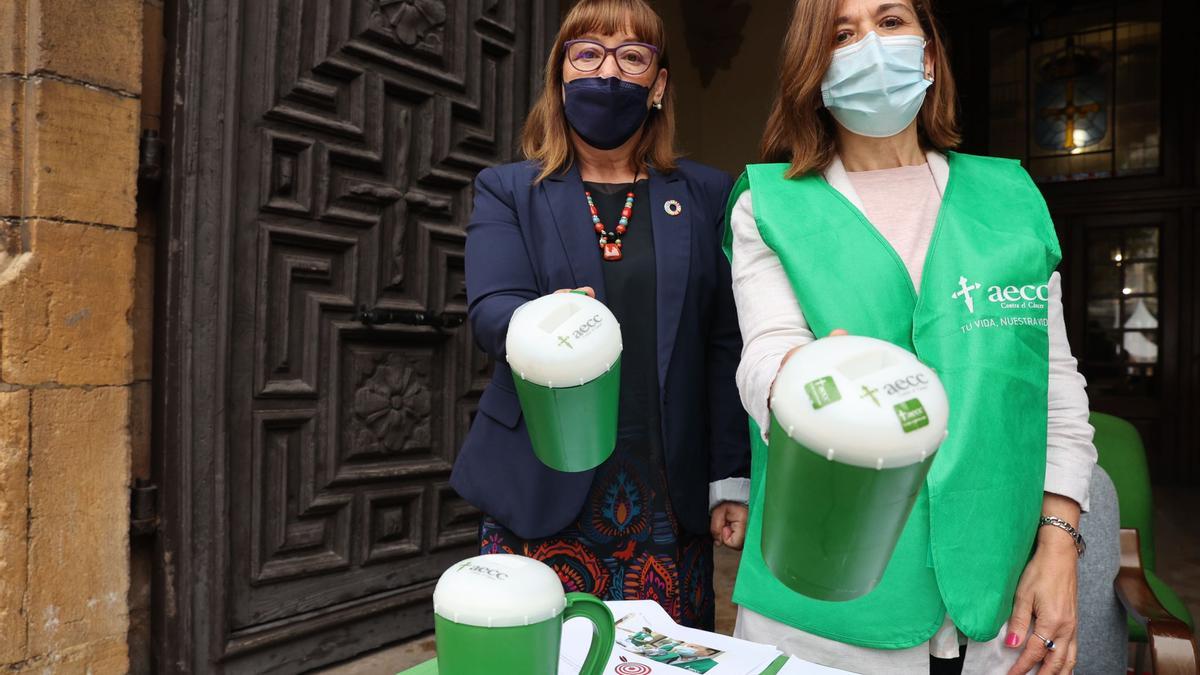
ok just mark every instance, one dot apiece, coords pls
pixel 867 222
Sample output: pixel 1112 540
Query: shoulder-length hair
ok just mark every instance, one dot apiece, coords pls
pixel 546 138
pixel 800 131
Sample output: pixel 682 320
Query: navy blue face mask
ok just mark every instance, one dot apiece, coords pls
pixel 606 111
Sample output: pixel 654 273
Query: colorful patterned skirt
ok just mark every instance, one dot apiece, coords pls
pixel 625 544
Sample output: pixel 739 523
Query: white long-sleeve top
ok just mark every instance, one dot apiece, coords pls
pixel 772 323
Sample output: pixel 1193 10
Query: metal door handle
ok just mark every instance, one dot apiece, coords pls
pixel 379 316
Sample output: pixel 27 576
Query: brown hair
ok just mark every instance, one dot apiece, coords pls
pixel 546 138
pixel 802 132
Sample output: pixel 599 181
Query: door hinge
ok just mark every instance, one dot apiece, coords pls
pixel 143 508
pixel 150 158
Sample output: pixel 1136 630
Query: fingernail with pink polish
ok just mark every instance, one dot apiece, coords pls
pixel 1012 640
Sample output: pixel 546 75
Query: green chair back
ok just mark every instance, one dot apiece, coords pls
pixel 1123 458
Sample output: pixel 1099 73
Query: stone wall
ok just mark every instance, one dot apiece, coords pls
pixel 70 82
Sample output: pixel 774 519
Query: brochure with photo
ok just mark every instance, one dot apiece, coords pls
pixel 648 642
pixel 635 635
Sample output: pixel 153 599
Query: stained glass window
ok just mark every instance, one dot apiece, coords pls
pixel 1076 95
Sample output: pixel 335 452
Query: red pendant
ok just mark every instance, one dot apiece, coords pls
pixel 612 252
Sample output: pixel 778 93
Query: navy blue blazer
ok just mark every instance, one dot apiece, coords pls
pixel 526 240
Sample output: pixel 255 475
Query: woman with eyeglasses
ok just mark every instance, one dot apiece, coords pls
pixel 866 220
pixel 603 205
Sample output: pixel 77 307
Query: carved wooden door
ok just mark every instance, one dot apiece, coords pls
pixel 323 158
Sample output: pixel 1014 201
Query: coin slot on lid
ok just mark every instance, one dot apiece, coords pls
pixel 866 364
pixel 558 317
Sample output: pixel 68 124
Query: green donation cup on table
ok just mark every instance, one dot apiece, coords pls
pixel 503 615
pixel 855 425
pixel 565 354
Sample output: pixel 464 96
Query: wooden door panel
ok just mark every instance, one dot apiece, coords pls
pixel 367 120
pixel 337 142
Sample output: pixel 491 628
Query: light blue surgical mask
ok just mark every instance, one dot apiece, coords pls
pixel 875 87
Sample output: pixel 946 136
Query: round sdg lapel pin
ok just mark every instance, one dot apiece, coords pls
pixel 673 207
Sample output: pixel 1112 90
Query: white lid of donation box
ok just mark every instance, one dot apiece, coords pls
pixel 861 401
pixel 499 591
pixel 562 340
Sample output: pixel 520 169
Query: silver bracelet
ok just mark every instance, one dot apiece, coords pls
pixel 1053 521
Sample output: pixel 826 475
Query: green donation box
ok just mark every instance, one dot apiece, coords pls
pixel 855 425
pixel 565 354
pixel 503 615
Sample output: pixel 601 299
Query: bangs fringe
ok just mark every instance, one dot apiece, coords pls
pixel 614 16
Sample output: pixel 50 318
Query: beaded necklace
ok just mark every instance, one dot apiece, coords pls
pixel 610 242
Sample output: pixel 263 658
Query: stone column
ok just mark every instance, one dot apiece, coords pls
pixel 70 77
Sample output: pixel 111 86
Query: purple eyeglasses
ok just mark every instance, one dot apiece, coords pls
pixel 633 58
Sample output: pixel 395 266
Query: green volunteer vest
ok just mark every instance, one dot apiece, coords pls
pixel 980 322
